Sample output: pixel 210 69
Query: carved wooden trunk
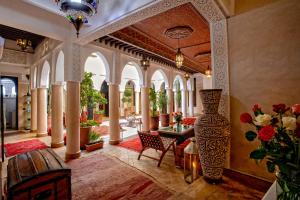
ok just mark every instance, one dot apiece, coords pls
pixel 38 175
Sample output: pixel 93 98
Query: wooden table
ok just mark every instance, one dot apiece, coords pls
pixel 181 134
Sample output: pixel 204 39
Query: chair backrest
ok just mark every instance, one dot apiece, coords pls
pixel 150 140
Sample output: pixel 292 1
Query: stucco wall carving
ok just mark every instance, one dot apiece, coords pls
pixel 11 56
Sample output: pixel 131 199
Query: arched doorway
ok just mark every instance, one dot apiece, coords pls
pixel 10 102
pixel 98 67
pixel 131 79
pixel 177 87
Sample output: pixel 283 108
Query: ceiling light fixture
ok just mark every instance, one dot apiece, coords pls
pixel 145 63
pixel 24 44
pixel 77 11
pixel 186 76
pixel 208 72
pixel 179 32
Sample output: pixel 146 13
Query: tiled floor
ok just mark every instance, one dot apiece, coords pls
pixel 167 175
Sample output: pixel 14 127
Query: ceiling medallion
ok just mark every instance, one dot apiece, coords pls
pixel 77 11
pixel 179 32
pixel 24 44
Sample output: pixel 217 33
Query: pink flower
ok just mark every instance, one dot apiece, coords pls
pixel 256 108
pixel 296 109
pixel 266 133
pixel 246 118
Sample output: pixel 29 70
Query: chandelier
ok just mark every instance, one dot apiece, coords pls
pixel 179 32
pixel 145 63
pixel 24 44
pixel 208 72
pixel 179 58
pixel 77 11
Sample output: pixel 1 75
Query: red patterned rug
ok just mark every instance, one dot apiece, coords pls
pixel 12 149
pixel 101 177
pixel 132 144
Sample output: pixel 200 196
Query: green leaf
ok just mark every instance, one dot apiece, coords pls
pixel 258 154
pixel 250 135
pixel 270 166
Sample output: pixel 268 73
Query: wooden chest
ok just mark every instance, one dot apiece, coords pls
pixel 38 175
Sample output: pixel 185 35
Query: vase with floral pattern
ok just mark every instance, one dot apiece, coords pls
pixel 212 132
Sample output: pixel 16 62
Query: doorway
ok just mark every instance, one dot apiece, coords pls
pixel 10 102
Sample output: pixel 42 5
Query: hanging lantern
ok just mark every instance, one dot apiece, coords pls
pixel 77 11
pixel 24 44
pixel 208 72
pixel 186 76
pixel 179 58
pixel 145 63
pixel 191 162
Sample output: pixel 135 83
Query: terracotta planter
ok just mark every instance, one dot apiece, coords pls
pixel 84 136
pixel 94 146
pixel 164 120
pixel 154 123
pixel 212 132
pixel 98 118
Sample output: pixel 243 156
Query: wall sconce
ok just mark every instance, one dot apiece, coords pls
pixel 191 162
pixel 208 72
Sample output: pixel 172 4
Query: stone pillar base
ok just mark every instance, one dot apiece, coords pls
pixel 72 156
pixel 41 134
pixel 114 142
pixel 57 145
pixel 33 131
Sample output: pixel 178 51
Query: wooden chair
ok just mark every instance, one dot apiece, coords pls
pixel 157 142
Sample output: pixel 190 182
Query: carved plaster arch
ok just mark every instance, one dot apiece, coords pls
pixel 138 83
pixel 45 75
pixel 59 67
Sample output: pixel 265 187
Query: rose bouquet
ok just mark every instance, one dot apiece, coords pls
pixel 279 135
pixel 177 117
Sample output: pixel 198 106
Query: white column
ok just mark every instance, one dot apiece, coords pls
pixel 73 120
pixel 114 126
pixel 33 110
pixel 170 95
pixel 145 109
pixel 191 103
pixel 137 103
pixel 57 136
pixel 183 102
pixel 175 101
pixel 41 112
pixel 121 104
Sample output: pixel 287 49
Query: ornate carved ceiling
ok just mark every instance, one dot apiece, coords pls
pixel 149 34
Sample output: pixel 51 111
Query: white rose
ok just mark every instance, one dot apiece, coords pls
pixel 289 123
pixel 263 120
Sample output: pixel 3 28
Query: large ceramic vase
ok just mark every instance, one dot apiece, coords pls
pixel 212 132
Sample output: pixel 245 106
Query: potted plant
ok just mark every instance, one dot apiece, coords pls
pixel 279 137
pixel 154 121
pixel 162 104
pixel 85 129
pixel 98 98
pixel 95 142
pixel 127 99
pixel 87 93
